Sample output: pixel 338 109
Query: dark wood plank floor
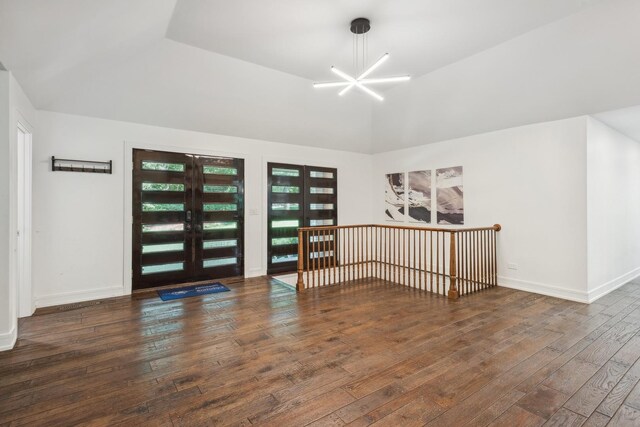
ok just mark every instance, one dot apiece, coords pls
pixel 367 353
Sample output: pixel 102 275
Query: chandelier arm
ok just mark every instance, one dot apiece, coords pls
pixel 331 84
pixel 385 80
pixel 375 65
pixel 344 75
pixel 346 89
pixel 370 92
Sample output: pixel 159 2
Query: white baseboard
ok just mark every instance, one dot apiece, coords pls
pixel 612 285
pixel 541 288
pixel 8 339
pixel 78 296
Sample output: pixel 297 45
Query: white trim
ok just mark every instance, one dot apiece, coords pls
pixel 612 285
pixel 78 296
pixel 127 170
pixel 543 289
pixel 8 339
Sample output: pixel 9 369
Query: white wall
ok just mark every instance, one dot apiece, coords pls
pixel 14 107
pixel 7 314
pixel 78 219
pixel 613 208
pixel 529 179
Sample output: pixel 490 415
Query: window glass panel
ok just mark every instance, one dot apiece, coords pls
pixel 162 268
pixel 284 258
pixel 156 186
pixel 166 247
pixel 285 206
pixel 321 190
pixel 220 225
pixel 219 170
pixel 290 223
pixel 285 172
pixel 220 189
pixel 162 166
pixel 218 262
pixel 321 206
pixel 285 189
pixel 318 174
pixel 215 244
pixel 317 222
pixel 281 241
pixel 163 207
pixel 160 228
pixel 220 207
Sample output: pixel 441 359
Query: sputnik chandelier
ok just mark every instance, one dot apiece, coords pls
pixel 360 27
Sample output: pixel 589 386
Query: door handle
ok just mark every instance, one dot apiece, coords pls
pixel 188 219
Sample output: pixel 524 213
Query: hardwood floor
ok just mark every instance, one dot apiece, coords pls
pixel 367 353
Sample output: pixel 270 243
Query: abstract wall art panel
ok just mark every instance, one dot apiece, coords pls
pixel 419 196
pixel 450 196
pixel 394 194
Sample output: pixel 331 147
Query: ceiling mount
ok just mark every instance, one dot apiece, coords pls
pixel 360 26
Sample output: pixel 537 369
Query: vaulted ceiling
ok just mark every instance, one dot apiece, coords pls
pixel 245 67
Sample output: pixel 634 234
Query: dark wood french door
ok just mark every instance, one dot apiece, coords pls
pixel 298 196
pixel 188 218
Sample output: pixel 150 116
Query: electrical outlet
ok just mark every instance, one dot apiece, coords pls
pixel 512 266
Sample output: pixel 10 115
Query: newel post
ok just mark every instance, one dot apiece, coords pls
pixel 300 282
pixel 453 286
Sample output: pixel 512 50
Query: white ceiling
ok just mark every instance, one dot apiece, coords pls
pixel 306 37
pixel 244 67
pixel 625 120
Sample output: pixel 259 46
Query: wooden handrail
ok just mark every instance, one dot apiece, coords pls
pixel 495 227
pixel 408 255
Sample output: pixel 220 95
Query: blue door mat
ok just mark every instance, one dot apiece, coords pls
pixel 191 291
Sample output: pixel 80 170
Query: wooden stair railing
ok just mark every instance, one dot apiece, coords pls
pixel 445 261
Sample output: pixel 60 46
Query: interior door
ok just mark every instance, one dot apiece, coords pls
pixel 298 196
pixel 188 218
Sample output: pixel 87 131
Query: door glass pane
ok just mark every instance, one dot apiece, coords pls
pixel 161 166
pixel 318 174
pixel 285 206
pixel 215 244
pixel 321 190
pixel 160 228
pixel 167 247
pixel 320 254
pixel 326 238
pixel 220 189
pixel 281 241
pixel 285 189
pixel 218 262
pixel 291 223
pixel 220 225
pixel 163 207
pixel 219 170
pixel 284 258
pixel 220 207
pixel 162 268
pixel 156 186
pixel 318 222
pixel 321 206
pixel 285 172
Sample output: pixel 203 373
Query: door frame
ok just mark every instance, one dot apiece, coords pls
pixel 21 252
pixel 129 146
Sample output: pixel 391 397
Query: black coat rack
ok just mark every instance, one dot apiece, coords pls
pixel 90 166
